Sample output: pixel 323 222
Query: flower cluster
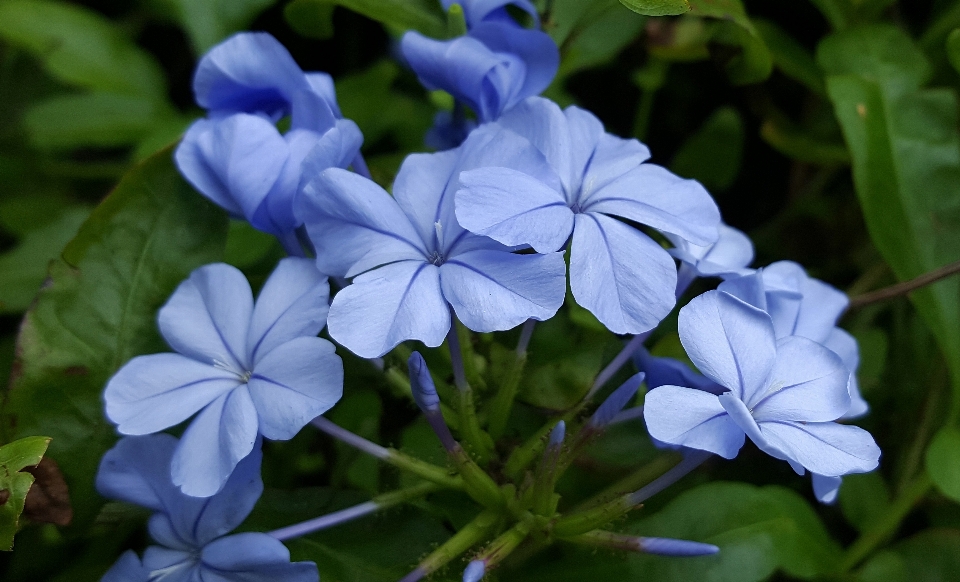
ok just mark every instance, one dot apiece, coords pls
pixel 525 200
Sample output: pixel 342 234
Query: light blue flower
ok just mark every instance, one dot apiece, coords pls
pixel 729 256
pixel 476 11
pixel 620 274
pixel 246 368
pixel 410 259
pixel 783 394
pixel 494 67
pixel 191 532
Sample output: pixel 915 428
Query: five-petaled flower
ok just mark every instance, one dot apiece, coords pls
pixel 247 368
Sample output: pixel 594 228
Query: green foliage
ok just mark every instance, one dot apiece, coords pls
pixel 906 164
pixel 15 484
pixel 423 15
pixel 713 154
pixel 657 7
pixel 943 462
pixel 211 21
pixel 99 310
pixel 931 556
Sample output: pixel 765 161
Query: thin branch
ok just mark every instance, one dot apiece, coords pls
pixel 905 287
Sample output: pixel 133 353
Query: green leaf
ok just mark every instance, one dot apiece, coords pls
pixel 310 18
pixel 953 49
pixel 930 556
pixel 864 498
pixel 81 48
pixel 657 7
pixel 943 462
pixel 713 154
pixel 790 56
pixel 13 457
pixel 24 268
pixel 210 21
pixel 99 310
pixel 93 119
pixel 906 165
pixel 733 28
pixel 600 40
pixel 425 16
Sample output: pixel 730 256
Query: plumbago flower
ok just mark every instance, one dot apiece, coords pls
pixel 410 259
pixel 237 157
pixel 620 274
pixel 190 531
pixel 783 394
pixel 248 369
pixel 476 11
pixel 728 257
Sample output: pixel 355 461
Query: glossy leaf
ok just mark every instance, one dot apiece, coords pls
pixel 80 47
pixel 14 457
pixel 657 7
pixel 99 310
pixel 943 462
pixel 906 164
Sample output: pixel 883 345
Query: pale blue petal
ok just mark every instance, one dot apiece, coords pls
pixel 691 418
pixel 749 289
pixel 222 513
pixel 817 314
pixel 513 208
pixel 536 50
pixel 293 303
pixel 743 418
pixel 234 161
pixel 495 291
pixel 295 383
pixel 275 215
pixel 218 438
pixel 826 488
pixel 586 131
pixel 620 274
pixel 808 383
pixel 335 149
pixel 163 530
pixel 311 111
pixel 728 257
pixel 178 565
pixel 208 316
pixel 249 72
pixel 651 195
pixel 322 84
pixel 825 448
pixel 845 345
pixel 667 371
pixel 612 158
pixel 729 341
pixel 389 305
pixel 475 11
pixel 354 224
pixel 137 470
pixel 253 557
pixel 542 122
pixel 154 392
pixel 126 569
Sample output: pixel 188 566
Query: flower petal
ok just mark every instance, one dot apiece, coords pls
pixel 729 341
pixel 824 448
pixel 253 557
pixel 691 418
pixel 651 195
pixel 826 488
pixel 208 316
pixel 218 438
pixel 844 345
pixel 818 311
pixel 154 392
pixel 354 224
pixel 612 158
pixel 220 514
pixel 293 303
pixel 475 11
pixel 295 383
pixel 808 383
pixel 620 274
pixel 667 371
pixel 386 306
pixel 513 208
pixel 535 49
pixel 494 291
pixel 248 72
pixel 137 470
pixel 178 565
pixel 729 256
pixel 567 151
pixel 126 569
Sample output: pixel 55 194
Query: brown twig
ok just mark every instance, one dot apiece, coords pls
pixel 905 287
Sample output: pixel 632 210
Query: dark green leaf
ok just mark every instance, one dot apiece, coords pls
pixel 943 462
pixel 24 268
pixel 99 310
pixel 93 119
pixel 752 61
pixel 657 7
pixel 798 144
pixel 906 164
pixel 864 498
pixel 713 154
pixel 310 18
pixel 930 556
pixel 953 49
pixel 211 21
pixel 80 47
pixel 790 56
pixel 15 456
pixel 837 12
pixel 422 15
pixel 600 40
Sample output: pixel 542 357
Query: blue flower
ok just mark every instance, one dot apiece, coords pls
pixel 237 158
pixel 619 273
pixel 246 368
pixel 476 11
pixel 191 531
pixel 727 257
pixel 783 394
pixel 412 261
pixel 803 306
pixel 493 68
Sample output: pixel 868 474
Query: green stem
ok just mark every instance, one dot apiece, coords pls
pixel 635 480
pixel 581 522
pixel 481 527
pixel 423 469
pixel 504 545
pixel 502 403
pixel 887 524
